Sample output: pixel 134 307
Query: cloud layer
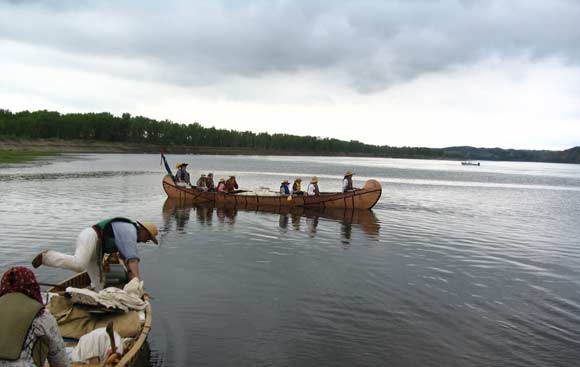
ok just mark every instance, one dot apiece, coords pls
pixel 368 45
pixel 409 72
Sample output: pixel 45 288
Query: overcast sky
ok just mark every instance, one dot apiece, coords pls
pixel 410 72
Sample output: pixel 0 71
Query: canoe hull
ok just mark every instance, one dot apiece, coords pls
pixel 135 354
pixel 364 198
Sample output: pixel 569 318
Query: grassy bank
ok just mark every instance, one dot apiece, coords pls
pixel 55 146
pixel 20 156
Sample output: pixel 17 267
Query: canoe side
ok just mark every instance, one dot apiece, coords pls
pixel 82 280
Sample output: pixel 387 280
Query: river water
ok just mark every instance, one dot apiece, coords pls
pixel 455 266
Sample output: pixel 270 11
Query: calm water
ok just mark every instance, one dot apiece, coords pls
pixel 455 266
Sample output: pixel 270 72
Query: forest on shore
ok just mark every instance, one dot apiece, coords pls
pixel 177 138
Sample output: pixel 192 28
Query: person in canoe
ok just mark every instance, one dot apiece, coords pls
pixel 297 187
pixel 347 182
pixel 231 184
pixel 221 187
pixel 313 187
pixel 284 189
pixel 29 334
pixel 209 182
pixel 201 184
pixel 110 236
pixel 182 176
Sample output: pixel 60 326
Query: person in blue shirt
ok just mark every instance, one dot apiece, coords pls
pixel 182 176
pixel 284 189
pixel 110 236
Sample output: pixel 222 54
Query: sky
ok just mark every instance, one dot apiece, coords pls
pixel 488 73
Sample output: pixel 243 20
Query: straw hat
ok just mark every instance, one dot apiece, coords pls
pixel 314 179
pixel 285 182
pixel 178 165
pixel 349 173
pixel 222 180
pixel 152 229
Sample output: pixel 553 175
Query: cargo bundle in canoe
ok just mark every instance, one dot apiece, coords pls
pixel 364 198
pixel 138 350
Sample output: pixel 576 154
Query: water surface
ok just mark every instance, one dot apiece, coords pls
pixel 456 265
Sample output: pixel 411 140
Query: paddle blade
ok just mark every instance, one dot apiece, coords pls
pixel 289 198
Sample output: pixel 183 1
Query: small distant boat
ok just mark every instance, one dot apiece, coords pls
pixel 468 163
pixel 364 198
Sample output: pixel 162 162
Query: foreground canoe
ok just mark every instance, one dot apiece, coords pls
pixel 364 198
pixel 138 351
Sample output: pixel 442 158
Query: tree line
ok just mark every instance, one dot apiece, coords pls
pixel 142 130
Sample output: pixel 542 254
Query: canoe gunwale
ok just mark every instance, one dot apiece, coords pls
pixel 364 198
pixel 81 280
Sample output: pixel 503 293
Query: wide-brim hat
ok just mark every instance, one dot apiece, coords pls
pixel 152 229
pixel 314 180
pixel 349 173
pixel 285 182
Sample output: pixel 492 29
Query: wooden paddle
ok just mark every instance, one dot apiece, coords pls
pixel 114 357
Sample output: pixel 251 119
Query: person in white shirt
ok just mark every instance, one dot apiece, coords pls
pixel 115 235
pixel 313 187
pixel 347 182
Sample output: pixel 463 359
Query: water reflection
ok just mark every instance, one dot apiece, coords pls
pixel 179 212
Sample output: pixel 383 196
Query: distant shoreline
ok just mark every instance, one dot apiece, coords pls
pixel 14 150
pixel 57 146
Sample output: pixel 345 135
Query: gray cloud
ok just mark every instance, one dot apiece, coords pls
pixel 370 44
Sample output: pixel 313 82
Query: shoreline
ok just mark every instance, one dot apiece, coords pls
pixel 26 150
pixel 57 146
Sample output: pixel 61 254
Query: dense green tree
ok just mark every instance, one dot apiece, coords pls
pixel 138 129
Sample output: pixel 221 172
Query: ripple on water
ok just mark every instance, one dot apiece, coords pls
pixel 454 267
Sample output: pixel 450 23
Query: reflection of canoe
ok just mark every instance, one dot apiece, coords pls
pixel 180 209
pixel 364 198
pixel 136 352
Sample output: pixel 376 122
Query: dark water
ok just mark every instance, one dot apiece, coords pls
pixel 455 266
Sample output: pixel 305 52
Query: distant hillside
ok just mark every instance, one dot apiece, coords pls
pixel 140 133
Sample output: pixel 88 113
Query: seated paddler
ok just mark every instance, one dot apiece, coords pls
pixel 111 236
pixel 29 334
pixel 284 189
pixel 182 176
pixel 347 182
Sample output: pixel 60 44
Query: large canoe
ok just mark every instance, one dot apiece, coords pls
pixel 364 198
pixel 137 354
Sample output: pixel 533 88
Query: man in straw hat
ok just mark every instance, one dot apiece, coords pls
pixel 115 235
pixel 313 187
pixel 347 182
pixel 297 187
pixel 182 176
pixel 284 189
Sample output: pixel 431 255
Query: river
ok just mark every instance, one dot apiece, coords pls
pixel 455 266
